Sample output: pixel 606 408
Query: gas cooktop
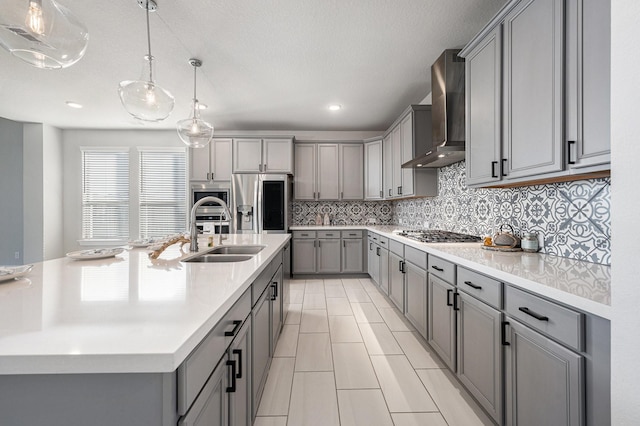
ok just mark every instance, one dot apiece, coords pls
pixel 437 236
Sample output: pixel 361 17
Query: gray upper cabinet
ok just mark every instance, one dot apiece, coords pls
pixel 387 146
pixel 258 155
pixel 305 177
pixel 406 144
pixel 328 174
pixel 373 182
pixel 483 74
pixel 351 171
pixel 544 380
pixel 533 89
pixel 588 103
pixel 212 163
pixel 247 155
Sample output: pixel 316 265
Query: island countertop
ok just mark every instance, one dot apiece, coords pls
pixel 578 284
pixel 121 314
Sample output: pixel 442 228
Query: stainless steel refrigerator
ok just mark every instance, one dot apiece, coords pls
pixel 260 203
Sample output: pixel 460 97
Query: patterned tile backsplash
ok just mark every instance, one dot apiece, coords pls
pixel 573 219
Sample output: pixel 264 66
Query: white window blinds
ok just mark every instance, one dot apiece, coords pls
pixel 105 194
pixel 162 193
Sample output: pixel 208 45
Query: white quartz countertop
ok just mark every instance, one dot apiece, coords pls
pixel 582 285
pixel 121 314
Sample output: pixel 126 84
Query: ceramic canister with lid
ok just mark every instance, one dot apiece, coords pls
pixel 529 242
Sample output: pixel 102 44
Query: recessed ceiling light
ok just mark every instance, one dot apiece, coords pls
pixel 202 106
pixel 418 165
pixel 441 156
pixel 335 107
pixel 72 104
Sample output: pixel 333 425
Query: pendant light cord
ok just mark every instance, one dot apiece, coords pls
pixel 149 45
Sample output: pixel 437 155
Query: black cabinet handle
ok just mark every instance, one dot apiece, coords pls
pixel 533 314
pixel 304 235
pixel 329 235
pixel 569 145
pixel 449 293
pixel 344 243
pixel 399 190
pixel 472 285
pixel 504 334
pixel 378 251
pixel 456 307
pixel 503 167
pixel 400 265
pixel 239 353
pixel 370 246
pixel 236 327
pixel 274 286
pixel 232 388
pixel 389 192
pixel 437 268
pixel 494 164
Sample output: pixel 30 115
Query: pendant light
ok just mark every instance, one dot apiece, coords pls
pixel 195 132
pixel 42 33
pixel 143 98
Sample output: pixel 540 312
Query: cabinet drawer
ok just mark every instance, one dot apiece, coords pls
pixel 383 241
pixel 196 369
pixel 415 256
pixel 351 234
pixel 304 234
pixel 480 286
pixel 563 324
pixel 442 268
pixel 396 247
pixel 328 234
pixel 375 237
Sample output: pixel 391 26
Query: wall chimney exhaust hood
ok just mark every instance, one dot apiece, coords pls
pixel 448 105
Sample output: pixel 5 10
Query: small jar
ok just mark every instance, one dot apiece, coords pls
pixel 529 242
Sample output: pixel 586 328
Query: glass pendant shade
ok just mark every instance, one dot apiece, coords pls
pixel 143 98
pixel 42 33
pixel 193 131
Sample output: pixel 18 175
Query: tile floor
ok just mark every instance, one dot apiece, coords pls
pixel 346 357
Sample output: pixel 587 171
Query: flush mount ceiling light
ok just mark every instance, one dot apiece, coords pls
pixel 72 104
pixel 42 33
pixel 195 132
pixel 143 98
pixel 335 107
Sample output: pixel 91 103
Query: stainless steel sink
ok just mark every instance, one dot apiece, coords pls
pixel 218 258
pixel 236 250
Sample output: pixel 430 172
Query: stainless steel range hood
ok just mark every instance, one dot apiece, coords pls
pixel 447 96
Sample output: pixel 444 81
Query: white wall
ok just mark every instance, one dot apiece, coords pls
pixel 52 193
pixel 625 197
pixel 32 181
pixel 11 192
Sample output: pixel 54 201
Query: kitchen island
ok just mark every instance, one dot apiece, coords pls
pixel 68 322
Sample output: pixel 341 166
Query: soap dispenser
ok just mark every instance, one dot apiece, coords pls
pixel 318 219
pixel 327 222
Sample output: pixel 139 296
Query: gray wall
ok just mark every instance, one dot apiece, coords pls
pixel 11 192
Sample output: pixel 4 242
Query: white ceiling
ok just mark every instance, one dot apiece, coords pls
pixel 267 64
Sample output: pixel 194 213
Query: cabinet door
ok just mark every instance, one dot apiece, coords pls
pixel 328 178
pixel 588 103
pixel 416 298
pixel 483 80
pixel 387 145
pixel 260 339
pixel 247 155
pixel 304 256
pixel 533 88
pixel 305 177
pixel 221 159
pixel 373 185
pixel 210 407
pixel 406 143
pixel 373 264
pixel 544 381
pixel 396 142
pixel 396 280
pixel 276 308
pixel 442 320
pixel 351 172
pixel 199 166
pixel 277 156
pixel 352 250
pixel 329 256
pixel 240 400
pixel 480 353
pixel 383 259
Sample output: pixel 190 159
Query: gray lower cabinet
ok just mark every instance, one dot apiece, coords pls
pixel 275 300
pixel 304 256
pixel 416 297
pixel 442 320
pixel 211 407
pixel 328 256
pixel 239 390
pixel 352 260
pixel 396 280
pixel 374 262
pixel 544 380
pixel 480 353
pixel 260 339
pixel 383 259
